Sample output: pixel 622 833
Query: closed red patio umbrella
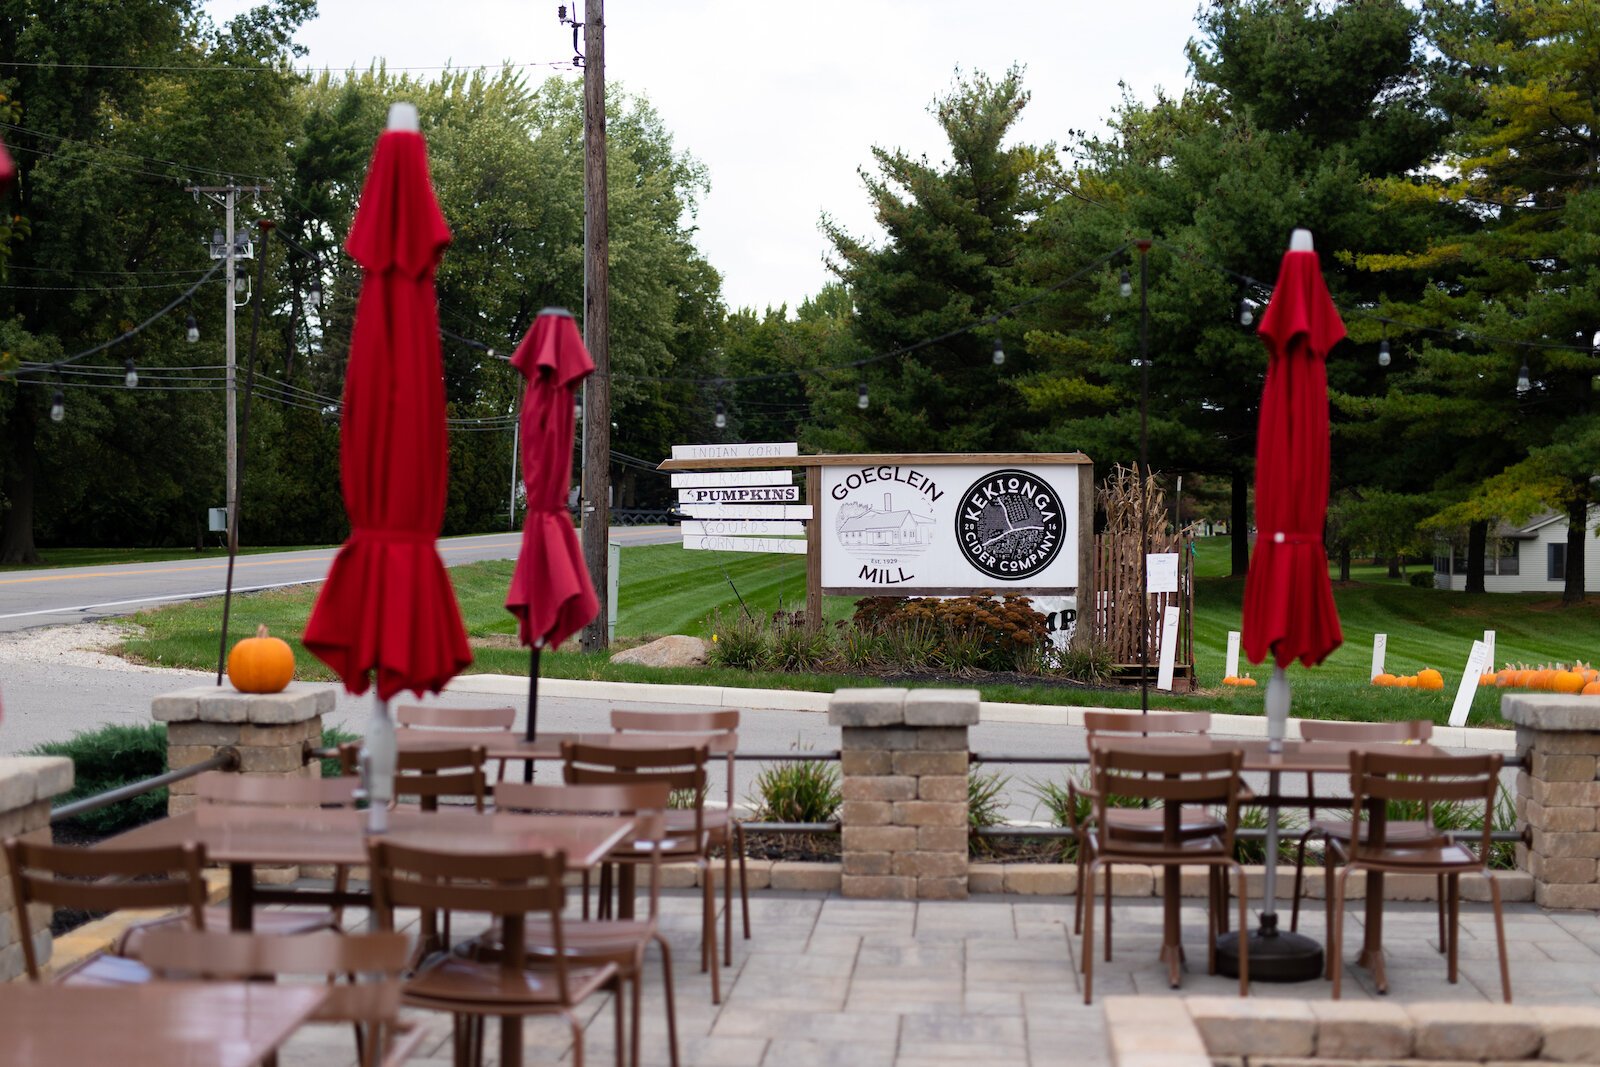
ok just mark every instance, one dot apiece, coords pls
pixel 8 170
pixel 1289 611
pixel 387 610
pixel 551 593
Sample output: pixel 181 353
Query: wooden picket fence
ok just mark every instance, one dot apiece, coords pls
pixel 1117 562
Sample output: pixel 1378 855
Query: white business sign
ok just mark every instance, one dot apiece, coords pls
pixel 745 544
pixel 742 528
pixel 904 528
pixel 741 494
pixel 697 479
pixel 1060 618
pixel 1161 572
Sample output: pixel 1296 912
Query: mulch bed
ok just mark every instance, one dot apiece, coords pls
pixel 824 848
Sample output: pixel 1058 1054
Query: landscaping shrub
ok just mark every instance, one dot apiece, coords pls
pixel 103 759
pixel 859 649
pixel 1421 580
pixel 333 737
pixel 798 791
pixel 1290 825
pixel 985 806
pixel 741 641
pixel 1086 661
pixel 977 632
pixel 910 647
pixel 798 644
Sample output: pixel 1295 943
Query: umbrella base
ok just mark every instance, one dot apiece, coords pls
pixel 1275 956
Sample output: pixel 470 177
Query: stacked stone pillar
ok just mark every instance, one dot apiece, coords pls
pixel 27 785
pixel 271 732
pixel 1558 795
pixel 904 817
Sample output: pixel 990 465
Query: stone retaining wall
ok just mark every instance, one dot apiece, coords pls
pixel 1558 792
pixel 1268 1032
pixel 27 785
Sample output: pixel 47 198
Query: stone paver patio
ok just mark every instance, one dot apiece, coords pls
pixel 992 981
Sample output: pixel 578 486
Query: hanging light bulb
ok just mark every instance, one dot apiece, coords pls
pixel 314 294
pixel 999 353
pixel 130 376
pixel 722 415
pixel 1383 353
pixel 239 282
pixel 191 329
pixel 58 407
pixel 861 396
pixel 1127 283
pixel 1524 383
pixel 1247 312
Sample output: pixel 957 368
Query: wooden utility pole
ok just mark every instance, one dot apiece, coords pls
pixel 596 510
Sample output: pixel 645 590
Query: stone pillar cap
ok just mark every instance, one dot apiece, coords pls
pixel 301 702
pixel 1552 712
pixel 901 707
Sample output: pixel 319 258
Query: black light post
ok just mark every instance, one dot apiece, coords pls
pixel 1144 475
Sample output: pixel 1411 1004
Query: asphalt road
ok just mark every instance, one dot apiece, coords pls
pixel 50 597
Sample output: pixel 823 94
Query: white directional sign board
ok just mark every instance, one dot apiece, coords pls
pixel 743 528
pixel 749 450
pixel 697 479
pixel 746 544
pixel 747 511
pixel 741 494
pixel 904 528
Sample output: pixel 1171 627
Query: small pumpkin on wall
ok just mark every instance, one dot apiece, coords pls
pixel 261 664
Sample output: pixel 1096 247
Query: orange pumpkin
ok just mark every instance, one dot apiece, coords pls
pixel 261 664
pixel 1385 679
pixel 1247 681
pixel 1430 679
pixel 1488 678
pixel 1592 689
pixel 1567 682
pixel 1505 677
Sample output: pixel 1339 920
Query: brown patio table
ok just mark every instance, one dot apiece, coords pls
pixel 1300 757
pixel 155 1024
pixel 547 746
pixel 244 837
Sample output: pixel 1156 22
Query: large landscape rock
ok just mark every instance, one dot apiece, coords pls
pixel 675 651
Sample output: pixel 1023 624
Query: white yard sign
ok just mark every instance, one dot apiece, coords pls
pixel 1060 618
pixel 1169 647
pixel 1469 685
pixel 1380 645
pixel 1488 650
pixel 745 544
pixel 1161 572
pixel 904 528
pixel 1233 655
pixel 754 450
pixel 747 511
pixel 698 479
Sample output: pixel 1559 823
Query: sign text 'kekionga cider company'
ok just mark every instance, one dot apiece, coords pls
pixel 904 528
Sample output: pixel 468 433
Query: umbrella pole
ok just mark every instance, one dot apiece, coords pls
pixel 1275 955
pixel 378 757
pixel 532 733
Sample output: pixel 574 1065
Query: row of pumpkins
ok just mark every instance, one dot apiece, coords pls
pixel 1428 678
pixel 1577 678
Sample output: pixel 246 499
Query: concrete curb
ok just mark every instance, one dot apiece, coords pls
pixel 1464 737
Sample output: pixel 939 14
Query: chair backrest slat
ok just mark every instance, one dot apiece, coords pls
pixel 223 787
pixel 1169 776
pixel 1147 724
pixel 433 716
pixel 722 720
pixel 682 770
pixel 1366 732
pixel 429 774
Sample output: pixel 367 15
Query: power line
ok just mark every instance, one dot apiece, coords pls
pixel 225 68
pixel 130 155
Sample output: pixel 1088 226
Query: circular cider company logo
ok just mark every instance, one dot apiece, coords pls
pixel 1008 524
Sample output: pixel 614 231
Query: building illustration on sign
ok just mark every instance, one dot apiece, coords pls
pixel 864 530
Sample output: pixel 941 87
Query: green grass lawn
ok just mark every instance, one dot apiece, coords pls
pixel 665 589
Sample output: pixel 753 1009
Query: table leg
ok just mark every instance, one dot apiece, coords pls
pixel 241 897
pixel 1372 937
pixel 511 1025
pixel 1171 898
pixel 627 889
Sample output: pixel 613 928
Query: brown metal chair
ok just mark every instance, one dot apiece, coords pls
pixel 102 879
pixel 683 771
pixel 721 730
pixel 1409 831
pixel 511 889
pixel 1141 821
pixel 1381 777
pixel 422 718
pixel 1171 778
pixel 429 774
pixel 371 1005
pixel 619 941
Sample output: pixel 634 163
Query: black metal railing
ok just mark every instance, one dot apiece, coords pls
pixel 226 759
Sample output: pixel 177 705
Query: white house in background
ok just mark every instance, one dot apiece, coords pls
pixel 1531 558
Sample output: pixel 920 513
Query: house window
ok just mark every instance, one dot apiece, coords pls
pixel 1556 563
pixel 1505 560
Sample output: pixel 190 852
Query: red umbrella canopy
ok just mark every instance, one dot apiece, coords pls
pixel 1288 600
pixel 8 169
pixel 387 606
pixel 551 594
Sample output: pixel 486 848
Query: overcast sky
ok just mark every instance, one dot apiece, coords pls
pixel 782 100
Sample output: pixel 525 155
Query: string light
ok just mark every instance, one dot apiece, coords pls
pixel 721 419
pixel 130 376
pixel 1383 352
pixel 861 396
pixel 1127 283
pixel 314 293
pixel 1247 312
pixel 1524 383
pixel 191 329
pixel 58 406
pixel 999 353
